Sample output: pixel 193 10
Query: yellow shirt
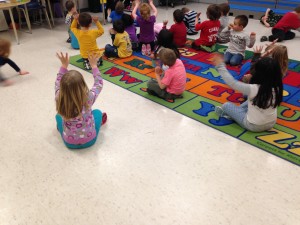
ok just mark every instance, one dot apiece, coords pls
pixel 87 38
pixel 122 42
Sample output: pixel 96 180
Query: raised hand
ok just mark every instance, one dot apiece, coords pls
pixel 76 16
pixel 165 22
pixel 93 59
pixel 95 19
pixel 198 14
pixel 64 59
pixel 258 49
pixel 253 34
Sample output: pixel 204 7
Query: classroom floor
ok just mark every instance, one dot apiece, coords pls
pixel 150 165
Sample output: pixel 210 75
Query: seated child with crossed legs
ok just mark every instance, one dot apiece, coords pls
pixel 170 79
pixel 87 37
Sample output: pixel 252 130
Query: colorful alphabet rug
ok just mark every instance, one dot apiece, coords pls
pixel 205 89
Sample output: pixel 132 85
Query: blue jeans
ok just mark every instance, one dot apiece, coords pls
pixel 238 114
pixel 233 59
pixel 111 51
pixel 98 120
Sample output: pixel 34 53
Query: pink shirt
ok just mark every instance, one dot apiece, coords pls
pixel 175 78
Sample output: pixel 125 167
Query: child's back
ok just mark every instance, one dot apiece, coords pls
pixel 224 22
pixel 117 13
pixel 189 20
pixel 209 30
pixel 178 29
pixel 86 36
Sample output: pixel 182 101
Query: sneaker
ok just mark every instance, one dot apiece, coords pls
pixel 104 118
pixel 148 49
pixel 220 112
pixel 263 38
pixel 69 40
pixel 143 49
pixel 86 65
pixel 100 62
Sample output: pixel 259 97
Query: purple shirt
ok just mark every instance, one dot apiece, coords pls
pixel 146 29
pixel 131 30
pixel 81 129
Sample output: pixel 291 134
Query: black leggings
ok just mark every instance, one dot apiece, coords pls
pixel 281 35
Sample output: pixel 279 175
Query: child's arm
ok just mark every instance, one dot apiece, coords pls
pixel 153 8
pixel 134 15
pixel 197 18
pixel 227 77
pixel 109 18
pixel 158 73
pixel 250 41
pixel 64 59
pixel 74 24
pixel 14 66
pixel 100 30
pixel 98 81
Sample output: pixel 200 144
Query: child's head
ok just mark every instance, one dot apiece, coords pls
pixel 4 48
pixel 240 22
pixel 185 10
pixel 213 12
pixel 224 8
pixel 85 20
pixel 118 26
pixel 70 5
pixel 167 57
pixel 268 75
pixel 280 54
pixel 119 7
pixel 127 20
pixel 145 11
pixel 297 9
pixel 178 16
pixel 73 95
pixel 165 38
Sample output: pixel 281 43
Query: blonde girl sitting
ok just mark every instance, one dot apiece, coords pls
pixel 77 123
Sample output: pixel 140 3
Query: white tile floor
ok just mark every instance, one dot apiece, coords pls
pixel 149 166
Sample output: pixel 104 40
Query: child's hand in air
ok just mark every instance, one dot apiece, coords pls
pixel 95 19
pixel 64 59
pixel 23 72
pixel 165 22
pixel 252 35
pixel 93 59
pixel 258 49
pixel 150 1
pixel 217 59
pixel 76 15
pixel 198 14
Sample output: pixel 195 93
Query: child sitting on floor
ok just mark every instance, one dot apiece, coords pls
pixel 170 79
pixel 5 47
pixel 178 29
pixel 131 30
pixel 239 39
pixel 259 112
pixel 117 13
pixel 270 19
pixel 189 20
pixel 224 22
pixel 87 37
pixel 121 45
pixel 76 122
pixel 277 52
pixel 209 29
pixel 70 6
pixel 146 22
pixel 282 30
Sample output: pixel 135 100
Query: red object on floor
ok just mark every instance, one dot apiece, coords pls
pixel 104 118
pixel 11 26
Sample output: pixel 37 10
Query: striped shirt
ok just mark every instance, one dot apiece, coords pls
pixel 189 21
